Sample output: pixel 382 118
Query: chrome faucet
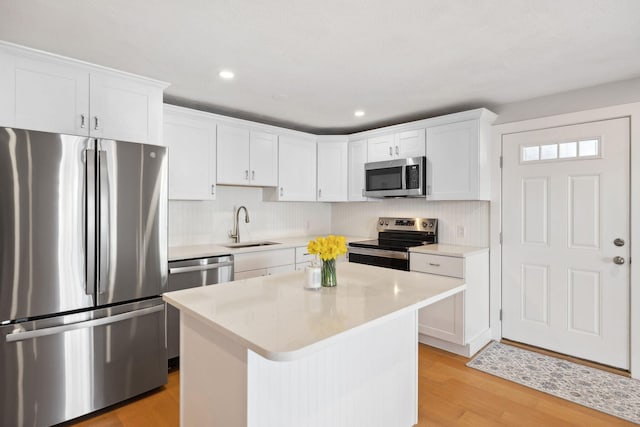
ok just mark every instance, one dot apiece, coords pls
pixel 235 233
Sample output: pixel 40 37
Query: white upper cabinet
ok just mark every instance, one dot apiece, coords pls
pixel 52 97
pixel 357 159
pixel 400 145
pixel 53 94
pixel 233 155
pixel 247 157
pixel 191 140
pixel 333 171
pixel 457 160
pixel 263 159
pixel 123 108
pixel 296 169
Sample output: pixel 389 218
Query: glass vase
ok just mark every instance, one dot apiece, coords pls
pixel 329 273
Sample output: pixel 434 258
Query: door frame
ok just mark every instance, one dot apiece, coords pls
pixel 632 111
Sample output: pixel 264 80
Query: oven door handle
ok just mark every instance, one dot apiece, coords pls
pixel 382 253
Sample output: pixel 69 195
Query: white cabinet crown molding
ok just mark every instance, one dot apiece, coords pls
pixel 24 51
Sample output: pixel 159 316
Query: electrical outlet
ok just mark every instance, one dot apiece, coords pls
pixel 460 231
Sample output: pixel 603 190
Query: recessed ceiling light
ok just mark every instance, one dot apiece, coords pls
pixel 359 113
pixel 226 74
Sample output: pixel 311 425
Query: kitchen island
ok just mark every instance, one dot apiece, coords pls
pixel 266 352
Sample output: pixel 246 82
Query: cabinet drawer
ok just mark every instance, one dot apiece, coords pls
pixel 303 255
pixel 437 264
pixel 263 259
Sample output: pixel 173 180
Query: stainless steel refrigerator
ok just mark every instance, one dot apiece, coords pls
pixel 82 264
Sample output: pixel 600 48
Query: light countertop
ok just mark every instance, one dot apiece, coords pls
pixel 277 318
pixel 203 251
pixel 448 250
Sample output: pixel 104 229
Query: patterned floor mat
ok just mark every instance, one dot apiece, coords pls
pixel 604 391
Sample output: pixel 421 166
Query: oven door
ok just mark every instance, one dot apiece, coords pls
pixel 379 258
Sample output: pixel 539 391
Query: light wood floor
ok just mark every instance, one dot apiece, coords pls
pixel 449 394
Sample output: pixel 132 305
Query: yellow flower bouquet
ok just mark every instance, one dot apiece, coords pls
pixel 328 248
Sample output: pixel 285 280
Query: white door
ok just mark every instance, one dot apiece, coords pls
pixel 296 169
pixel 410 143
pixel 263 159
pixel 565 205
pixel 332 172
pixel 232 155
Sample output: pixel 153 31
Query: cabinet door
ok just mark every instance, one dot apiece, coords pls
pixel 263 159
pixel 51 97
pixel 332 171
pixel 444 319
pixel 281 269
pixel 125 109
pixel 357 159
pixel 452 161
pixel 296 169
pixel 410 144
pixel 381 148
pixel 233 155
pixel 192 164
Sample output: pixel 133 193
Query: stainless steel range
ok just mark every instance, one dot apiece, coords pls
pixel 395 237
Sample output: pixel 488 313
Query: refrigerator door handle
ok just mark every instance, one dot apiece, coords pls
pixel 21 335
pixel 103 221
pixel 90 221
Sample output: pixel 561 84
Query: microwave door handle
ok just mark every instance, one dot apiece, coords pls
pixel 90 221
pixel 404 177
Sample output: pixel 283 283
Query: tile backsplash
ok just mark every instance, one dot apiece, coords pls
pixel 470 218
pixel 202 222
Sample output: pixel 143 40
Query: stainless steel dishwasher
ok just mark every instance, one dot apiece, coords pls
pixel 191 273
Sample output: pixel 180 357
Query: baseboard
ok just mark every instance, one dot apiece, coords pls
pixel 467 350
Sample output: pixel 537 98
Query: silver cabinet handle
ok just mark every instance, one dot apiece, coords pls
pixel 253 175
pixel 319 193
pixel 618 242
pixel 192 268
pixel 83 119
pixel 618 260
pixel 428 190
pixel 397 150
pixel 281 191
pixel 54 330
pixel 390 151
pixel 434 264
pixel 97 123
pixel 213 189
pixel 246 175
pixel 363 192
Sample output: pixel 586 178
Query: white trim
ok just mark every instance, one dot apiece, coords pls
pixel 632 111
pixel 24 51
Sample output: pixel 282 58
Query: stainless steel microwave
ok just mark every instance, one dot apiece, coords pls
pixel 396 178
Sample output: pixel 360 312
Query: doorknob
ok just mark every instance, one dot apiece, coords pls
pixel 618 242
pixel 618 260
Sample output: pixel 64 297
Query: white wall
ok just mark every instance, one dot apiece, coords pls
pixel 202 222
pixel 359 219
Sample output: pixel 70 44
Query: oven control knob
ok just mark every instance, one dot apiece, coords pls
pixel 381 222
pixel 386 223
pixel 424 225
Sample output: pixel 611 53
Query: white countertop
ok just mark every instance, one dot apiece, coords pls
pixel 277 318
pixel 202 251
pixel 448 250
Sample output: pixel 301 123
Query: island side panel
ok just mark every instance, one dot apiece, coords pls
pixel 213 377
pixel 368 379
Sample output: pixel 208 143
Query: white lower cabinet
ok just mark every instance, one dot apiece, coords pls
pixel 264 263
pixel 460 323
pixel 303 257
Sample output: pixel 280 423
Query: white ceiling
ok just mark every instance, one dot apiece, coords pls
pixel 310 64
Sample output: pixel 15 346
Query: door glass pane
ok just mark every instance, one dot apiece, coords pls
pixel 384 179
pixel 530 153
pixel 568 149
pixel 549 152
pixel 589 147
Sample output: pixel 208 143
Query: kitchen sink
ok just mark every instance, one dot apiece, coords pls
pixel 249 244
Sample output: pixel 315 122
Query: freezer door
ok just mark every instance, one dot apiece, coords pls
pixel 132 221
pixel 60 368
pixel 43 177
